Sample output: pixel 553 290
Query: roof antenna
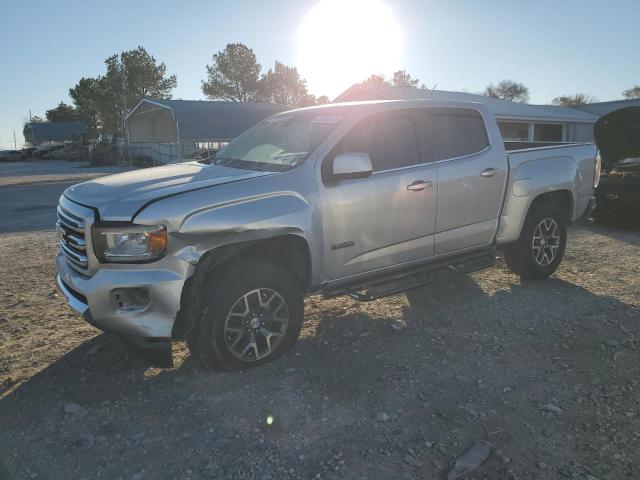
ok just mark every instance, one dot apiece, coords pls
pixel 432 90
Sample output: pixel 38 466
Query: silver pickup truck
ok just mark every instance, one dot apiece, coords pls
pixel 363 199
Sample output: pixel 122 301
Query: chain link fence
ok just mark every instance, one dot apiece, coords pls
pixel 154 153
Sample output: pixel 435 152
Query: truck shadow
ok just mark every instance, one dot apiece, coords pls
pixel 451 318
pixel 421 357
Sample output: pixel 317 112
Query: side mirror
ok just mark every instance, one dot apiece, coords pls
pixel 352 165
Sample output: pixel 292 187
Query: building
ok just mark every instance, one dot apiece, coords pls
pixel 603 108
pixel 517 121
pixel 36 133
pixel 169 130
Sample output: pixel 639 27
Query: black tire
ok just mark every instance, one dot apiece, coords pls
pixel 223 289
pixel 528 262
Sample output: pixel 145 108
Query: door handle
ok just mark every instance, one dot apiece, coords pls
pixel 488 172
pixel 419 185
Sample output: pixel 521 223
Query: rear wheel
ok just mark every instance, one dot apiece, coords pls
pixel 252 314
pixel 540 248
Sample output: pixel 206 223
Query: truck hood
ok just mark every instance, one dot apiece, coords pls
pixel 120 197
pixel 617 135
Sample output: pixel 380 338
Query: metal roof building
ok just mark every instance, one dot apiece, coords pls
pixel 36 133
pixel 168 130
pixel 194 120
pixel 517 121
pixel 602 108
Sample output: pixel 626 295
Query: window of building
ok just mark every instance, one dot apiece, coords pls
pixel 547 132
pixel 457 131
pixel 514 131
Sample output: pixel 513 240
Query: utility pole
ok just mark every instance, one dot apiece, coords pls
pixel 15 146
pixel 124 116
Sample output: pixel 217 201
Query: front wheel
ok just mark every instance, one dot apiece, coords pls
pixel 252 314
pixel 540 248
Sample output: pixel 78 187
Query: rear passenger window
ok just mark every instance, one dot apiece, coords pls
pixel 457 131
pixel 389 139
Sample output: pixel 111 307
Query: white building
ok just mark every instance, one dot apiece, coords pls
pixel 517 121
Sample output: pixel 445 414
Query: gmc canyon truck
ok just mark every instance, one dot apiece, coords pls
pixel 363 199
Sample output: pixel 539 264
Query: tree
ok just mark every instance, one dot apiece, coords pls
pixel 85 98
pixel 144 77
pixel 402 79
pixel 322 100
pixel 233 75
pixel 573 100
pixel 508 90
pixel 63 113
pixel 36 119
pixel 633 92
pixel 283 85
pixel 376 80
pixel 104 101
pixel 131 76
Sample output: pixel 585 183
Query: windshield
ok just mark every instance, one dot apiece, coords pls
pixel 278 143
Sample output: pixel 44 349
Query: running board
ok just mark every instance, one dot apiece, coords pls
pixel 474 264
pixel 401 281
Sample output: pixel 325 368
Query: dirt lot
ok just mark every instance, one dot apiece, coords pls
pixel 546 371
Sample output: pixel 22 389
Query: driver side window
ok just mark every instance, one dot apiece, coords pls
pixel 388 138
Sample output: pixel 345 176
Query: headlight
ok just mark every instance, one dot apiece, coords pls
pixel 128 244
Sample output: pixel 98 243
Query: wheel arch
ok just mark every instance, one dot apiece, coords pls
pixel 518 207
pixel 290 251
pixel 561 199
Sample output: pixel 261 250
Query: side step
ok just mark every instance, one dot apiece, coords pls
pixel 474 264
pixel 401 281
pixel 386 287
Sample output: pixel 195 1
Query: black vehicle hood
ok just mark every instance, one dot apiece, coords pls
pixel 122 196
pixel 617 135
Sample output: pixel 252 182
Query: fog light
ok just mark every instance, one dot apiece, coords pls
pixel 130 299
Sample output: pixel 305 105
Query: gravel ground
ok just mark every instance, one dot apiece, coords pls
pixel 38 171
pixel 547 372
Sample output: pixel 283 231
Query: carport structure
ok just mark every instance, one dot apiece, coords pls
pixel 36 133
pixel 168 130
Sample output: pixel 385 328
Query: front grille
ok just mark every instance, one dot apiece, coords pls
pixel 72 238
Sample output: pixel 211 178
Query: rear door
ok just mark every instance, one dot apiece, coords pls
pixel 471 179
pixel 388 218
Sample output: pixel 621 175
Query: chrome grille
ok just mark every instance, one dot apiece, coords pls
pixel 71 229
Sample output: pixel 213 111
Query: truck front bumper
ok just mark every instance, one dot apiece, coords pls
pixel 136 303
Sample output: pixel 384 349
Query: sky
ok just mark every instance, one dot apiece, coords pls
pixel 553 47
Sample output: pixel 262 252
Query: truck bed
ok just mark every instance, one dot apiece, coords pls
pixel 513 146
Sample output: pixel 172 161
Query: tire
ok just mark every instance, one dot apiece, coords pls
pixel 537 258
pixel 243 303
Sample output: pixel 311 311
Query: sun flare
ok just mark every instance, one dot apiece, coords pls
pixel 344 41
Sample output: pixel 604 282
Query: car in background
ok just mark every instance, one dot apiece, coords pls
pixel 29 151
pixel 11 155
pixel 617 135
pixel 45 151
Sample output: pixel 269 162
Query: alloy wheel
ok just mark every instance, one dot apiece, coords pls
pixel 546 242
pixel 256 324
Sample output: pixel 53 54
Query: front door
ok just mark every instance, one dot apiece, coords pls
pixel 388 218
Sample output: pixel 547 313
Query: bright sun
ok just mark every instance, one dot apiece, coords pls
pixel 344 41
